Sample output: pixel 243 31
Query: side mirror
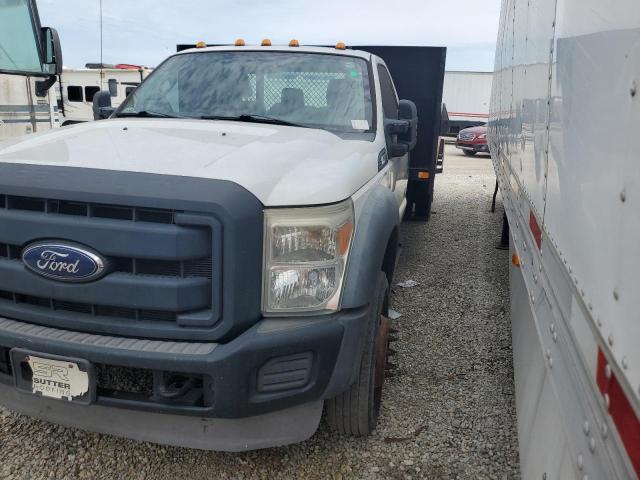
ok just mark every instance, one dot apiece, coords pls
pixel 102 105
pixel 52 61
pixel 408 111
pixel 404 131
pixel 52 51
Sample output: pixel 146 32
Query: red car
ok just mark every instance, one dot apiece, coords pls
pixel 473 140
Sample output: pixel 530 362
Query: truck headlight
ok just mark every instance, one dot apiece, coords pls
pixel 305 256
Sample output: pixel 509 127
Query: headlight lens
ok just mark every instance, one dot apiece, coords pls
pixel 482 135
pixel 306 251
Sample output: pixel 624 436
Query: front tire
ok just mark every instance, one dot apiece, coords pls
pixel 469 153
pixel 355 412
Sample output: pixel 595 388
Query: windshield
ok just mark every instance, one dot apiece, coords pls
pixel 18 39
pixel 314 90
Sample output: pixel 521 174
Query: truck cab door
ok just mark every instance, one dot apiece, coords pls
pixel 398 173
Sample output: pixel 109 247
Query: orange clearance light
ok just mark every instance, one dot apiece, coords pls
pixel 340 46
pixel 423 175
pixel 515 259
pixel 266 42
pixel 201 44
pixel 294 43
pixel 239 43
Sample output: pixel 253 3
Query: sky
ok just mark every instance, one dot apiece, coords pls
pixel 144 32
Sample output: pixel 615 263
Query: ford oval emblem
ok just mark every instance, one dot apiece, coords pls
pixel 65 262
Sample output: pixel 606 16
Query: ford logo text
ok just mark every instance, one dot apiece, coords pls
pixel 64 262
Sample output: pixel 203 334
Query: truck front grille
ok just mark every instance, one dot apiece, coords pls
pixel 162 280
pixel 86 308
pixel 86 209
pixel 466 136
pixel 137 266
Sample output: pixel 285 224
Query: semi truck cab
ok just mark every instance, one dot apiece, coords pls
pixel 209 264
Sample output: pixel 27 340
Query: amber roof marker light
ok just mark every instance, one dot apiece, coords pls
pixel 266 42
pixel 294 43
pixel 201 44
pixel 239 43
pixel 341 46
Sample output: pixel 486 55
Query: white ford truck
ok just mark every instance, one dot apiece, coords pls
pixel 210 265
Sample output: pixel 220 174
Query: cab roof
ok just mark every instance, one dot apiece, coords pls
pixel 281 48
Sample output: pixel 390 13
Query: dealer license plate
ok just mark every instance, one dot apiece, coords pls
pixel 53 377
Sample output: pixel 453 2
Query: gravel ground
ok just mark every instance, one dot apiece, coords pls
pixel 449 413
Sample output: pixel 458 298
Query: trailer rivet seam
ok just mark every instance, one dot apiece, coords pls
pixel 604 431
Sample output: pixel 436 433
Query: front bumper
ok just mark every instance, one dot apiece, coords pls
pixel 249 404
pixel 475 147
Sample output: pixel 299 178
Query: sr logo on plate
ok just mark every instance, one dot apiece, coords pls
pixel 65 262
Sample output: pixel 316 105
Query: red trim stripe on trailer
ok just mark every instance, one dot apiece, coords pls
pixel 535 229
pixel 620 410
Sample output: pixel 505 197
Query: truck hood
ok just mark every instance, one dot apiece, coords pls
pixel 477 130
pixel 280 165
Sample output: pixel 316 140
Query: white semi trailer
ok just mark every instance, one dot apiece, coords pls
pixel 30 59
pixel 466 96
pixel 77 87
pixel 569 173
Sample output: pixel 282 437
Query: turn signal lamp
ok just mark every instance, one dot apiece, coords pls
pixel 340 46
pixel 343 236
pixel 515 259
pixel 294 43
pixel 239 43
pixel 201 44
pixel 423 175
pixel 266 42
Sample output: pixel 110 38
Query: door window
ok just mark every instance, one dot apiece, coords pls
pixel 89 92
pixel 113 87
pixel 74 93
pixel 388 93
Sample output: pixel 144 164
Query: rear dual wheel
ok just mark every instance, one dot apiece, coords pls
pixel 355 412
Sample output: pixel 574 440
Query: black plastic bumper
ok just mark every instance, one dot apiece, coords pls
pixel 328 345
pixel 480 148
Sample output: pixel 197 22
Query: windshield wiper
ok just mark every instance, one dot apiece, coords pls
pixel 149 114
pixel 254 119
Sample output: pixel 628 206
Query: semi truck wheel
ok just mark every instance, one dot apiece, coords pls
pixel 355 412
pixel 469 153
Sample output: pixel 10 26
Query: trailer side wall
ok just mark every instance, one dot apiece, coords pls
pixel 564 110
